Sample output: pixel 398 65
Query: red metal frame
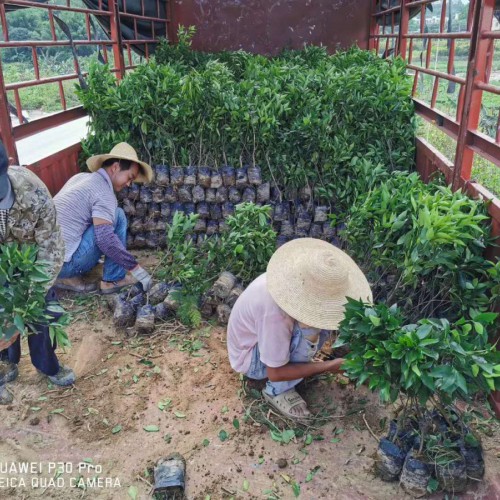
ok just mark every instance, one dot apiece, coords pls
pixel 8 133
pixel 464 126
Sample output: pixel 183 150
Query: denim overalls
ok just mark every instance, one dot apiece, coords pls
pixel 302 350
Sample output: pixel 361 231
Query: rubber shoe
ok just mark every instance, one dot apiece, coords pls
pixel 63 378
pixel 6 397
pixel 8 372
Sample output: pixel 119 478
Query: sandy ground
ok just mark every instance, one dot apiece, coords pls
pixel 121 380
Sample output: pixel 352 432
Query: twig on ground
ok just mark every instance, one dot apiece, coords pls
pixel 369 428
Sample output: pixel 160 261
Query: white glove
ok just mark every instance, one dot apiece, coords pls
pixel 141 275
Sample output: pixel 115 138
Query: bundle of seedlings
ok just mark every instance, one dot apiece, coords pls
pixel 133 307
pixel 236 257
pixel 427 366
pixel 23 289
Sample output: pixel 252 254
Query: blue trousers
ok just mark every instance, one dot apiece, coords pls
pixel 42 350
pixel 87 255
pixel 302 350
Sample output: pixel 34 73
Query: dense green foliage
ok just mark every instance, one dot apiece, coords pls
pixel 429 359
pixel 22 294
pixel 426 248
pixel 244 249
pixel 305 116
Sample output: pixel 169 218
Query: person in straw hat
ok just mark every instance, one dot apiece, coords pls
pixel 282 319
pixel 92 224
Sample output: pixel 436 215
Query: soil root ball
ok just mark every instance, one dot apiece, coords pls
pixel 264 193
pixel 169 476
pixel 241 177
pixel 216 212
pixel 136 225
pixel 200 226
pixel 158 293
pixel 321 214
pixel 474 461
pixel 415 475
pixel 228 176
pixel 128 207
pixel 122 194
pixel 125 313
pixel 223 313
pixel 145 322
pixel 146 195
pixel 227 209
pixel 254 175
pixel 165 210
pixel 224 284
pixel 189 208
pixel 390 459
pixel 176 176
pixel 162 312
pixel 140 240
pixel 190 176
pixel 203 210
pixel 162 175
pixel 210 195
pixel 158 194
pixel 287 229
pixel 212 227
pixel 170 194
pixel 140 209
pixel 248 195
pixel 221 195
pixel 281 240
pixel 154 209
pixel 234 195
pixel 207 310
pixel 198 194
pixel 216 180
pixel 184 194
pixel 133 192
pixel 452 476
pixel 316 230
pixel 170 301
pixel 234 294
pixel 204 177
pixel 130 241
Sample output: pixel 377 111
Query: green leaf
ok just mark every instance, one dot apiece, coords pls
pixel 151 428
pixel 246 485
pixel 116 429
pixel 308 440
pixel 57 410
pixel 236 423
pixel 223 435
pixel 296 489
pixel 132 492
pixel 179 414
pixel 205 442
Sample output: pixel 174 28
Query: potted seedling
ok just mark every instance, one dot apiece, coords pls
pixel 426 366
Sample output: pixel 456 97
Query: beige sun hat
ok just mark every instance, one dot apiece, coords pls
pixel 122 151
pixel 310 280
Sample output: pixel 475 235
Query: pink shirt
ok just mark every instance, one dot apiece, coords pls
pixel 256 318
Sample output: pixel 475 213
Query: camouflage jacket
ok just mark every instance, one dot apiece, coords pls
pixel 32 219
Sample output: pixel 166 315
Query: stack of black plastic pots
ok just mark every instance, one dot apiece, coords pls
pixel 456 456
pixel 213 195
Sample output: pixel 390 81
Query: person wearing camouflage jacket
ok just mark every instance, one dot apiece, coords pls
pixel 28 215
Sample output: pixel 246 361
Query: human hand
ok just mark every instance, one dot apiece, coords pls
pixel 141 275
pixel 335 365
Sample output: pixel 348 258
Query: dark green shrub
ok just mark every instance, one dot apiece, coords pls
pixel 422 245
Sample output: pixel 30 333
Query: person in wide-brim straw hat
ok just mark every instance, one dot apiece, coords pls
pixel 282 319
pixel 92 224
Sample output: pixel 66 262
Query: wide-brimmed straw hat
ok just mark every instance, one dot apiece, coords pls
pixel 311 279
pixel 122 151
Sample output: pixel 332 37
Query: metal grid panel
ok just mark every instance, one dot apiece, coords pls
pixel 403 25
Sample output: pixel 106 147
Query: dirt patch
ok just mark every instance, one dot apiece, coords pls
pixel 123 382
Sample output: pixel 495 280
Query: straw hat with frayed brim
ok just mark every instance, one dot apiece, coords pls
pixel 122 151
pixel 311 279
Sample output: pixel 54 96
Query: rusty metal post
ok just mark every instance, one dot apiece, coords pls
pixel 5 121
pixel 482 19
pixel 404 21
pixel 116 38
